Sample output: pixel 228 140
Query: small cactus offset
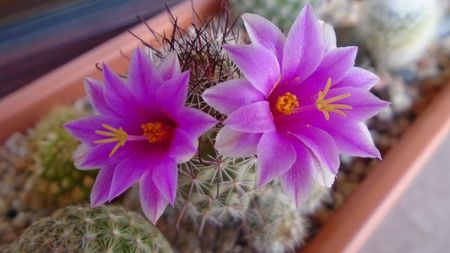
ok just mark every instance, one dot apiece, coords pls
pixel 83 229
pixel 56 182
pixel 275 224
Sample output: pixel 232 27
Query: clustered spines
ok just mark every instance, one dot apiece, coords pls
pixel 275 225
pixel 216 189
pixel 83 229
pixel 55 179
pixel 199 49
pixel 270 224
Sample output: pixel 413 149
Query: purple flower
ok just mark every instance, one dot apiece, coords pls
pixel 141 131
pixel 301 104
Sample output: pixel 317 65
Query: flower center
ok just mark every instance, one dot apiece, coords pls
pixel 287 103
pixel 153 132
pixel 115 135
pixel 156 131
pixel 326 105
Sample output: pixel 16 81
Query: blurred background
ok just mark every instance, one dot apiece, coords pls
pixel 37 36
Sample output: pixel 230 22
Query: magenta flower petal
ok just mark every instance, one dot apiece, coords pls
pixel 183 146
pixel 80 155
pixel 140 126
pixel 195 122
pixel 263 72
pixel 232 94
pixel 170 66
pixel 335 66
pixel 94 91
pixel 252 118
pixel 358 78
pixel 352 137
pixel 321 144
pixel 153 202
pixel 102 186
pixel 263 33
pixel 276 156
pixel 165 176
pixel 143 78
pixel 236 144
pixel 304 47
pixel 117 94
pixel 364 104
pixel 171 96
pixel 95 157
pixel 298 180
pixel 127 173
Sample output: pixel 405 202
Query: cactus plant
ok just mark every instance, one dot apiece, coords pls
pixel 216 189
pixel 218 207
pixel 212 188
pixel 270 223
pixel 83 229
pixel 55 180
pixel 276 225
pixel 398 32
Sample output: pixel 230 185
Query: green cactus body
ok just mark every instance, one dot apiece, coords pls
pixel 216 189
pixel 56 181
pixel 84 229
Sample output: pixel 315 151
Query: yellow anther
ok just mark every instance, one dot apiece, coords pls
pixel 287 103
pixel 156 131
pixel 116 135
pixel 326 105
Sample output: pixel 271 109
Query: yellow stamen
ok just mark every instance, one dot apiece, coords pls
pixel 156 131
pixel 104 133
pixel 102 141
pixel 326 105
pixel 287 103
pixel 108 127
pixel 117 135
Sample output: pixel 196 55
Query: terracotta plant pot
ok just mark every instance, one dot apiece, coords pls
pixel 65 84
pixel 346 230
